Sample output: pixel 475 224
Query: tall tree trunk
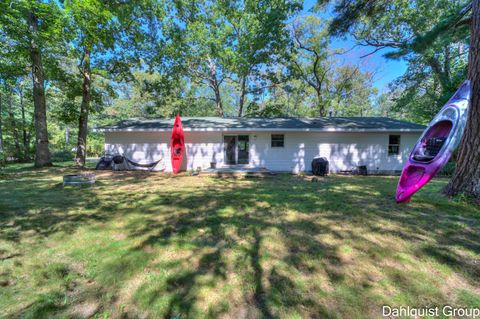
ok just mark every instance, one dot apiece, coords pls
pixel 218 101
pixel 29 133
pixel 1 132
pixel 443 77
pixel 243 92
pixel 42 153
pixel 215 85
pixel 320 105
pixel 24 128
pixel 466 178
pixel 13 123
pixel 67 137
pixel 84 108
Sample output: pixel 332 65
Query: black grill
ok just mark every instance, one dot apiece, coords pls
pixel 320 166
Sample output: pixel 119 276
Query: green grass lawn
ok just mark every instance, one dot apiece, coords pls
pixel 152 245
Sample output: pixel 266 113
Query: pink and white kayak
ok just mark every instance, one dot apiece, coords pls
pixel 436 145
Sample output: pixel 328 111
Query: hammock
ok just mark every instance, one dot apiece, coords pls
pixel 146 166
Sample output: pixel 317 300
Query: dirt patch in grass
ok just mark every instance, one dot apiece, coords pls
pixel 85 309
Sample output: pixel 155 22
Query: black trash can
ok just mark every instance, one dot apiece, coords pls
pixel 320 166
pixel 362 170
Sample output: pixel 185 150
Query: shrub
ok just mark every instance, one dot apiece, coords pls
pixel 62 156
pixel 448 169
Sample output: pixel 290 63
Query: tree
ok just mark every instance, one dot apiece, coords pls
pixel 20 90
pixel 14 73
pixel 259 39
pixel 351 92
pixel 437 65
pixel 153 95
pixel 466 178
pixel 338 87
pixel 15 129
pixel 224 45
pixel 2 154
pixel 103 35
pixel 311 63
pixel 28 31
pixel 200 45
pixel 93 27
pixel 42 153
pixel 448 26
pixel 13 122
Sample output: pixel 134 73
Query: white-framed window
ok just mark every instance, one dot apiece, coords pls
pixel 393 145
pixel 278 140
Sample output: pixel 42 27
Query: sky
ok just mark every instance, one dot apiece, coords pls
pixel 385 70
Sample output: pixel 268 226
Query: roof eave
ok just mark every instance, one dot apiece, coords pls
pixel 325 130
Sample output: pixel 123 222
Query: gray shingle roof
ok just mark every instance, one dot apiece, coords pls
pixel 268 124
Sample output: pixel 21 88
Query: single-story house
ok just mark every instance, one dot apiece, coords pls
pixel 278 144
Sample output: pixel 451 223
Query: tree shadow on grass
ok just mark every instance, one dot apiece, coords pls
pixel 43 207
pixel 237 216
pixel 247 216
pixel 260 295
pixel 181 229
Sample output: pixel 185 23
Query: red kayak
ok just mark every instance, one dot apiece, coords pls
pixel 177 144
pixel 435 146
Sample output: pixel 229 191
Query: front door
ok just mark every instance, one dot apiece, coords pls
pixel 230 143
pixel 236 149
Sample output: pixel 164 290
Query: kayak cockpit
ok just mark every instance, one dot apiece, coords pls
pixel 432 147
pixel 432 142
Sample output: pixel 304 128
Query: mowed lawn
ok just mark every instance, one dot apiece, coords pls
pixel 140 245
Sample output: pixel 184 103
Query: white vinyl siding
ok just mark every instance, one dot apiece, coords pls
pixel 146 147
pixel 343 150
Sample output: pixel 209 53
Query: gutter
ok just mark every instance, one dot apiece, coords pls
pixel 187 129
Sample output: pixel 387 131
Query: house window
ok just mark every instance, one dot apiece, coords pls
pixel 393 144
pixel 278 140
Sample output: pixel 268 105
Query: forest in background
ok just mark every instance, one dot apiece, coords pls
pixel 108 61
